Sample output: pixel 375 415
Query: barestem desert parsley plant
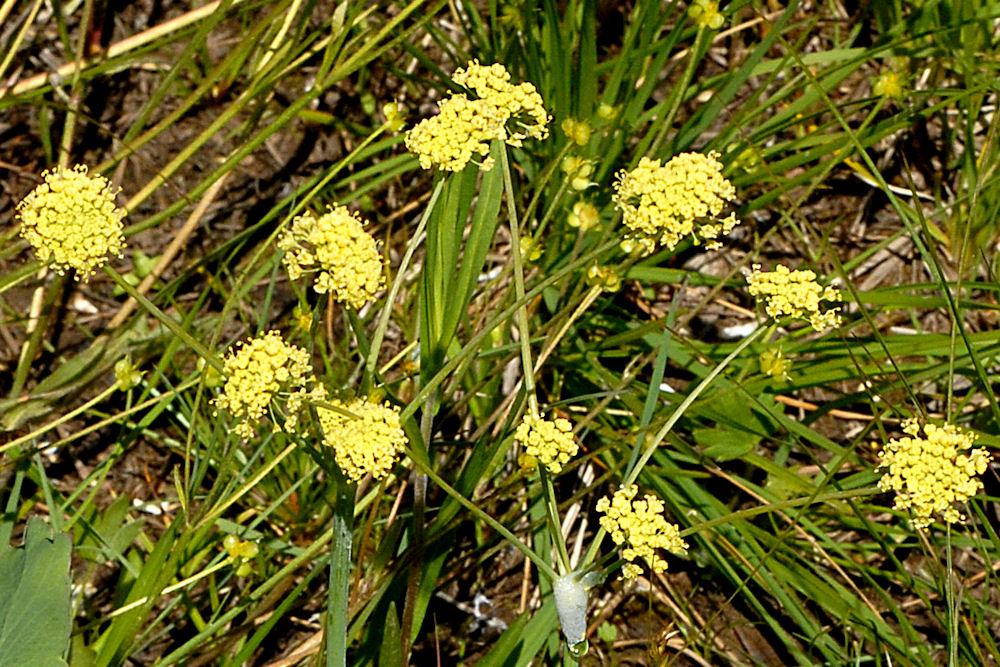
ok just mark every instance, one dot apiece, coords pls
pixel 464 127
pixel 794 294
pixel 930 474
pixel 259 370
pixel 71 220
pixel 640 527
pixel 368 442
pixel 664 204
pixel 337 249
pixel 549 442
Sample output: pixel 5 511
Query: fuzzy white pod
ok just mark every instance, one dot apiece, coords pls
pixel 571 604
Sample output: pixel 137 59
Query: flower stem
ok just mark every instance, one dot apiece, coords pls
pixel 175 327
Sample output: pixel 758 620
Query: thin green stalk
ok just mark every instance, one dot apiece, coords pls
pixel 527 366
pixel 476 511
pixel 371 363
pixel 679 89
pixel 167 321
pixel 633 474
pixel 473 346
pixel 419 506
pixel 552 513
pixel 951 601
pixel 522 311
pixel 61 420
pixel 41 321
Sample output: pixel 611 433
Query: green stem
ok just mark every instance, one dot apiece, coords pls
pixel 950 601
pixel 552 512
pixel 371 363
pixel 62 420
pixel 527 367
pixel 679 88
pixel 176 327
pixel 476 511
pixel 633 474
pixel 30 349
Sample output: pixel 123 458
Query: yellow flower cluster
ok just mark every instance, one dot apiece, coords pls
pixel 640 525
pixel 932 473
pixel 336 247
pixel 583 216
pixel 241 554
pixel 259 370
pixel 550 442
pixel 71 220
pixel 795 294
pixel 666 203
pixel 368 442
pixel 464 127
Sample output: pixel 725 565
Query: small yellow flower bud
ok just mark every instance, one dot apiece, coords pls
pixel 530 251
pixel 607 112
pixel 584 215
pixel 395 116
pixel 706 14
pixel 577 131
pixel 127 375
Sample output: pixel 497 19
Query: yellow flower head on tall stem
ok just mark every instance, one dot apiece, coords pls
pixel 550 442
pixel 259 370
pixel 367 442
pixel 494 108
pixel 640 527
pixel 931 473
pixel 665 203
pixel 337 249
pixel 71 220
pixel 794 294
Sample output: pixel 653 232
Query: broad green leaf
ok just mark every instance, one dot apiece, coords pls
pixel 35 598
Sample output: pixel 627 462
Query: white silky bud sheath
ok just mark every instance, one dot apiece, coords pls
pixel 571 605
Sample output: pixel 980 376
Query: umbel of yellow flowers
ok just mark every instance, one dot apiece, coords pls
pixel 639 526
pixel 665 203
pixel 930 474
pixel 794 294
pixel 465 125
pixel 367 442
pixel 259 370
pixel 337 249
pixel 71 220
pixel 550 442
